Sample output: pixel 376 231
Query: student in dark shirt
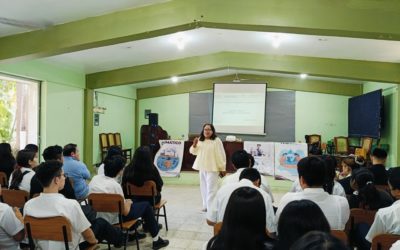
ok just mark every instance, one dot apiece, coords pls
pixel 367 196
pixel 7 160
pixel 142 169
pixel 378 169
pixel 52 153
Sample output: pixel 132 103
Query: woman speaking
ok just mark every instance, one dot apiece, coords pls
pixel 210 161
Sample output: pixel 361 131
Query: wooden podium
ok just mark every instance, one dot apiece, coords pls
pixel 149 136
pixel 230 148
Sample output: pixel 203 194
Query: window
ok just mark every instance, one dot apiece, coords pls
pixel 19 111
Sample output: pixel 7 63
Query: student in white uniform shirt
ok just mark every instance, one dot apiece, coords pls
pixel 11 227
pixel 241 160
pixel 387 220
pixel 210 162
pixel 249 177
pixel 51 203
pixel 21 177
pixel 312 174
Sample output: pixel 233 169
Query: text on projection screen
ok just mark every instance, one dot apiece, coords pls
pixel 239 108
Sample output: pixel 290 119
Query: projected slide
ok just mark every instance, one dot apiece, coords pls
pixel 239 108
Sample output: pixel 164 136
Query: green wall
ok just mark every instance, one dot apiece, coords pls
pixel 315 113
pixel 61 101
pixel 390 128
pixel 119 116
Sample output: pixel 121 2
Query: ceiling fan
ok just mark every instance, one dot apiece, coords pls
pixel 23 24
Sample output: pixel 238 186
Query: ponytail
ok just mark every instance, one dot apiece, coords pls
pixel 369 195
pixel 17 177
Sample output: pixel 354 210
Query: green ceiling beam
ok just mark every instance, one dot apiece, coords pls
pixel 375 19
pixel 287 83
pixel 336 68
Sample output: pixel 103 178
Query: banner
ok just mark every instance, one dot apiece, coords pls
pixel 263 153
pixel 169 157
pixel 287 155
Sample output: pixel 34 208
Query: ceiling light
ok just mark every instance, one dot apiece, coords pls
pixel 174 79
pixel 276 41
pixel 303 76
pixel 180 43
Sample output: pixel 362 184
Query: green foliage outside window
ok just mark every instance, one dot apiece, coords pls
pixel 7 102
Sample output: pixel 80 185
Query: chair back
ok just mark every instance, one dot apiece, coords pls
pixel 341 235
pixel 51 228
pixel 148 189
pixel 341 145
pixel 15 198
pixel 3 179
pixel 358 215
pixel 109 203
pixel 217 228
pixel 384 241
pixel 366 144
pixel 118 141
pixel 103 141
pixel 314 138
pixel 111 139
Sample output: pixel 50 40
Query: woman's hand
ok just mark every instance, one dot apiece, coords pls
pixel 195 141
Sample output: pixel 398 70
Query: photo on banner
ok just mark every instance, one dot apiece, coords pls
pixel 168 159
pixel 263 153
pixel 287 155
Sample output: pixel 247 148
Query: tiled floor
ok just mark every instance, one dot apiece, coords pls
pixel 186 223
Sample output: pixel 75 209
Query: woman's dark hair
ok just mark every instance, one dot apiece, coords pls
pixel 32 147
pixel 213 136
pixel 367 192
pixel 141 165
pixel 330 166
pixel 114 165
pixel 244 223
pixel 317 240
pixel 5 152
pixel 351 163
pixel 298 218
pixel 23 158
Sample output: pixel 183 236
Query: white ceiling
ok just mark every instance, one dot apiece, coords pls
pixel 204 41
pixel 44 13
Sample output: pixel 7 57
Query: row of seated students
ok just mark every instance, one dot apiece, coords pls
pixel 295 216
pixel 57 197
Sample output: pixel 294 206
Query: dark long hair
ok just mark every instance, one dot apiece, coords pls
pixel 330 166
pixel 298 218
pixel 140 166
pixel 23 158
pixel 213 136
pixel 244 223
pixel 367 192
pixel 7 160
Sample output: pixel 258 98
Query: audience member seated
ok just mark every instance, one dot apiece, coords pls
pixel 242 160
pixel 312 173
pixel 20 178
pixel 113 150
pixel 11 227
pixel 142 169
pixel 331 186
pixel 297 219
pixel 34 148
pixel 52 153
pixel 366 195
pixel 249 177
pixel 7 160
pixel 378 158
pixel 107 184
pixel 76 170
pixel 317 240
pixel 244 223
pixel 349 165
pixel 50 203
pixel 387 219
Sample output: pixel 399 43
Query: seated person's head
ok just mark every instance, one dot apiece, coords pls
pixel 378 156
pixel 348 165
pixel 251 174
pixel 142 158
pixel 50 174
pixel 244 223
pixel 330 172
pixel 317 240
pixel 114 166
pixel 71 150
pixel 298 218
pixel 241 159
pixel 394 181
pixel 53 153
pixel 26 158
pixel 312 172
pixel 32 147
pixel 113 150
